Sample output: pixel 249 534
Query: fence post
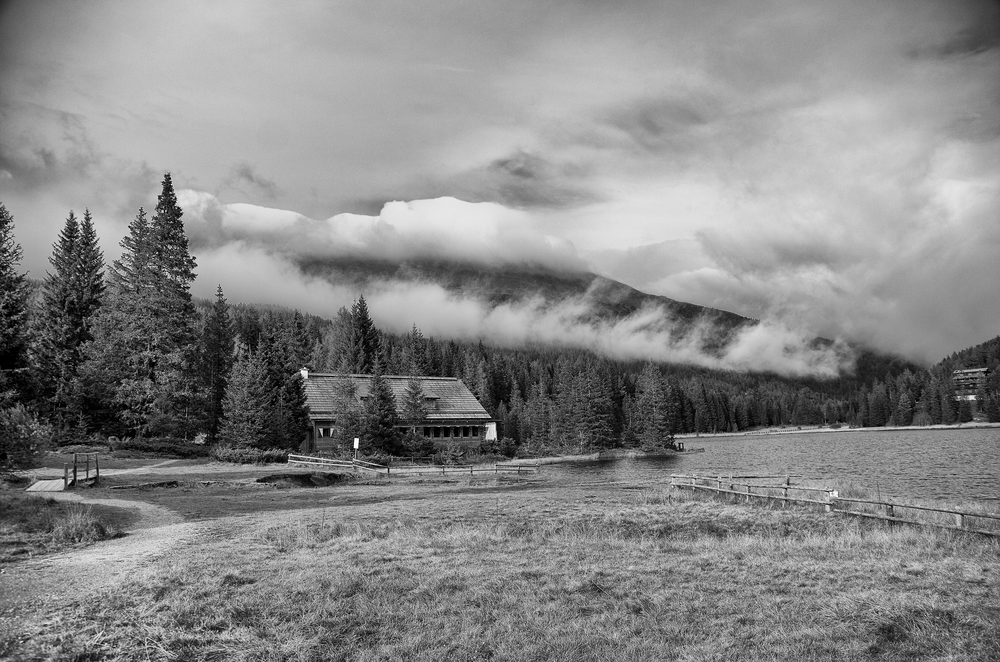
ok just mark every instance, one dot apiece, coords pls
pixel 831 496
pixel 97 467
pixel 960 520
pixel 889 510
pixel 65 475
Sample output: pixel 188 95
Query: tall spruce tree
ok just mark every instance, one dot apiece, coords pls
pixel 246 404
pixel 413 405
pixel 378 432
pixel 218 340
pixel 365 346
pixel 71 295
pixel 13 311
pixel 288 413
pixel 145 343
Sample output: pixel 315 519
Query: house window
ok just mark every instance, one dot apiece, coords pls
pixel 475 431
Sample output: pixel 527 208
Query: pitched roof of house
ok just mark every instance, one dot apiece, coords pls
pixel 453 400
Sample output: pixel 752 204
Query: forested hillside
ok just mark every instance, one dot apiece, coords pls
pixel 124 350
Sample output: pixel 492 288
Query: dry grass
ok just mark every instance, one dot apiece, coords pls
pixel 556 574
pixel 32 525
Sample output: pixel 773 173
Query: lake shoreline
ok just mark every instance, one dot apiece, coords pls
pixel 823 430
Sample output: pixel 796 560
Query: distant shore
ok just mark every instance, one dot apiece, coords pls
pixel 609 454
pixel 632 453
pixel 806 429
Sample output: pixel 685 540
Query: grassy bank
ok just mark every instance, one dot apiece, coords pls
pixel 31 525
pixel 553 574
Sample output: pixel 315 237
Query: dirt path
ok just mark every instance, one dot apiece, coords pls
pixel 34 590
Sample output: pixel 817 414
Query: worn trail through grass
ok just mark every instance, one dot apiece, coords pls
pixel 528 571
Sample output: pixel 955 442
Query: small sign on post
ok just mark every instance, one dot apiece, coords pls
pixel 356 443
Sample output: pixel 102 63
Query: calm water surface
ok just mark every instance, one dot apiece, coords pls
pixel 919 463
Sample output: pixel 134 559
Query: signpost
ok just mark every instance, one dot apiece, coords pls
pixel 356 442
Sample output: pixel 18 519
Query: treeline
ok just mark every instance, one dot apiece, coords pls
pixel 124 350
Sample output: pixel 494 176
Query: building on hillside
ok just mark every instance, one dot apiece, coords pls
pixel 453 413
pixel 968 382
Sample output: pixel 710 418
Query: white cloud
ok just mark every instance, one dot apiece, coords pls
pixel 249 273
pixel 440 229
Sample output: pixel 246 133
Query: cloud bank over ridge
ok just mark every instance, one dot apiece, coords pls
pixel 255 253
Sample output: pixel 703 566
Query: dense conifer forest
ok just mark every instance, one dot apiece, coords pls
pixel 124 350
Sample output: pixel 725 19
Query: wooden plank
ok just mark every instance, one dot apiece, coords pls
pixel 901 520
pixel 51 485
pixel 756 496
pixel 915 507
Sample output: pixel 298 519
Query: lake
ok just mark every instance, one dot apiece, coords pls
pixel 947 464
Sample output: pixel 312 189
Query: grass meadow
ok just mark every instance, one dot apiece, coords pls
pixel 30 525
pixel 552 574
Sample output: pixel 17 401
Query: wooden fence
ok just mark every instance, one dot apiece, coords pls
pixel 784 491
pixel 945 518
pixel 371 467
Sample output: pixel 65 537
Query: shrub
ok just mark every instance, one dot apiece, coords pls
pixel 247 455
pixel 160 445
pixel 23 439
pixel 417 445
pixel 81 525
pixel 450 455
pixel 505 447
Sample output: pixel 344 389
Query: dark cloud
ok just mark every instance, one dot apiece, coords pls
pixel 657 124
pixel 243 177
pixel 975 40
pixel 520 180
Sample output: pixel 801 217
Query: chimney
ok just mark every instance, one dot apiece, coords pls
pixel 304 372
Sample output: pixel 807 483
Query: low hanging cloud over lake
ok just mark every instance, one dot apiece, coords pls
pixel 832 168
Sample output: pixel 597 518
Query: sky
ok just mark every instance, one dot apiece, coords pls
pixel 832 168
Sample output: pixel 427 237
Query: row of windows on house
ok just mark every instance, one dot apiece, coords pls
pixel 431 432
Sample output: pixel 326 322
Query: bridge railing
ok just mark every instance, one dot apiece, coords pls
pixel 71 477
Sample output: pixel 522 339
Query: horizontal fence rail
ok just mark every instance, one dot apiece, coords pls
pixel 945 518
pixel 733 485
pixel 408 470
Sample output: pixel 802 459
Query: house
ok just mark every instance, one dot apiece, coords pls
pixel 453 413
pixel 968 382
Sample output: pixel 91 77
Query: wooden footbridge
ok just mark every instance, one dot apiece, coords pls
pixel 85 470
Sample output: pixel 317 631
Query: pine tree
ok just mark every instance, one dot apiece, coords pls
pixel 415 353
pixel 218 342
pixel 180 403
pixel 246 404
pixel 364 344
pixel 71 296
pixel 145 350
pixel 378 432
pixel 288 413
pixel 53 347
pixel 13 308
pixel 414 407
pixel 655 409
